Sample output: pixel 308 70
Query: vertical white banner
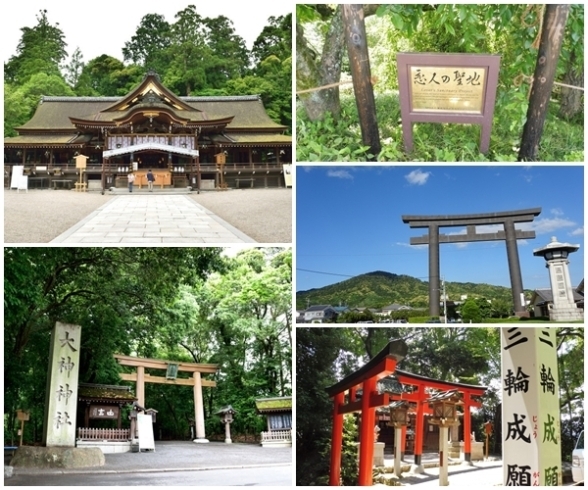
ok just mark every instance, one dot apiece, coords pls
pixel 62 386
pixel 531 432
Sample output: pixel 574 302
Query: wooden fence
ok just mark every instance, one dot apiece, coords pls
pixel 277 435
pixel 88 434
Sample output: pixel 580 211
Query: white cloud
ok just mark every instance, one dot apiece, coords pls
pixel 404 244
pixel 547 225
pixel 339 174
pixel 577 231
pixel 557 212
pixel 417 177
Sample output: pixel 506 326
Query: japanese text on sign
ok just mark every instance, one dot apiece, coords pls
pixel 447 89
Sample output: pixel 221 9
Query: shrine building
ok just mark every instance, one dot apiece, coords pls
pixel 200 142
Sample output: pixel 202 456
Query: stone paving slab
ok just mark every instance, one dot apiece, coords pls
pixel 152 219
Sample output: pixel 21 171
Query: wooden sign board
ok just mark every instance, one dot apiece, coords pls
pixel 287 174
pixel 104 412
pixel 447 88
pixel 81 161
pixel 19 180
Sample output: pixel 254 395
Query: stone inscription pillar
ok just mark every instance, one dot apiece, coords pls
pixel 531 435
pixel 61 397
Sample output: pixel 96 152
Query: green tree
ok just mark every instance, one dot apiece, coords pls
pixel 470 311
pixel 41 50
pixel 229 57
pixel 73 69
pixel 151 39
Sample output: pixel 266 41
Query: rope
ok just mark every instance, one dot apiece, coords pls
pixel 519 79
pixel 374 80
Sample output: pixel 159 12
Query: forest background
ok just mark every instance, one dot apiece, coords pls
pixel 195 305
pixel 194 55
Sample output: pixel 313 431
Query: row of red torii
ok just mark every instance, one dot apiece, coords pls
pixel 365 379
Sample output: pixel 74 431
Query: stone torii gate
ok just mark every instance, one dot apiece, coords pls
pixel 195 381
pixel 507 219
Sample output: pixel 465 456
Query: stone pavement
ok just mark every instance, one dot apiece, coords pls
pixel 149 218
pixel 182 456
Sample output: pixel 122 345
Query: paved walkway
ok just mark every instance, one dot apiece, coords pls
pixel 152 219
pixel 183 456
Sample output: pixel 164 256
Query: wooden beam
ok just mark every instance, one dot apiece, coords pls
pixel 161 364
pixel 375 401
pixel 161 380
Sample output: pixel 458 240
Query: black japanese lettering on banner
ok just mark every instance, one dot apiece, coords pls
pixel 515 384
pixel 518 476
pixel 517 429
pixel 514 335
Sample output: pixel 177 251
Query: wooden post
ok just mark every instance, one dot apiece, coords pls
pixel 554 22
pixel 398 446
pixel 199 409
pixel 443 453
pixel 141 386
pixel 356 39
pixel 366 437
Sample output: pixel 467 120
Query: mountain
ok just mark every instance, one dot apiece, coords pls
pixel 377 289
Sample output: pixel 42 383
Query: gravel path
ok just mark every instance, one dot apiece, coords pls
pixel 39 216
pixel 263 214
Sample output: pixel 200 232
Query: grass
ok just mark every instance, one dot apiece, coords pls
pixel 340 141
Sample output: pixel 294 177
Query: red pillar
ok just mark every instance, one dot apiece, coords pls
pixel 419 426
pixel 366 438
pixel 336 441
pixel 467 427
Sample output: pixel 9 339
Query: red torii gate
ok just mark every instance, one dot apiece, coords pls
pixel 420 395
pixel 366 378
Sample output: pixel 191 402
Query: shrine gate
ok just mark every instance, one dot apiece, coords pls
pixel 171 368
pixel 366 379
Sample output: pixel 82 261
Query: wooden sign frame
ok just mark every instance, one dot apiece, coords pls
pixel 462 90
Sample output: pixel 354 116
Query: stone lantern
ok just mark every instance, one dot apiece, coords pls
pixel 556 256
pixel 444 407
pixel 398 420
pixel 226 417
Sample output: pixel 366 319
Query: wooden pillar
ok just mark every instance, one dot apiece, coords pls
pixel 199 409
pixel 336 441
pixel 141 386
pixel 359 63
pixel 443 459
pixel 366 437
pixel 467 428
pixel 419 429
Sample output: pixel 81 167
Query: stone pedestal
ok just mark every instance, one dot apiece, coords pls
pixel 57 457
pixel 379 453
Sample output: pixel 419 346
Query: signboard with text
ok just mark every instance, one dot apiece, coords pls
pixel 531 432
pixel 447 88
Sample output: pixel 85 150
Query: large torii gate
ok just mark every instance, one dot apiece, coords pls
pixel 507 219
pixel 195 381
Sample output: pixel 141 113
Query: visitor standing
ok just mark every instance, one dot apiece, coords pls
pixel 131 178
pixel 150 180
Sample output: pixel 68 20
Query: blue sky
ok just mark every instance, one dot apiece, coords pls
pixel 348 220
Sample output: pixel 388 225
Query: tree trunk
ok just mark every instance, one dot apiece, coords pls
pixel 571 98
pixel 359 61
pixel 554 22
pixel 312 73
